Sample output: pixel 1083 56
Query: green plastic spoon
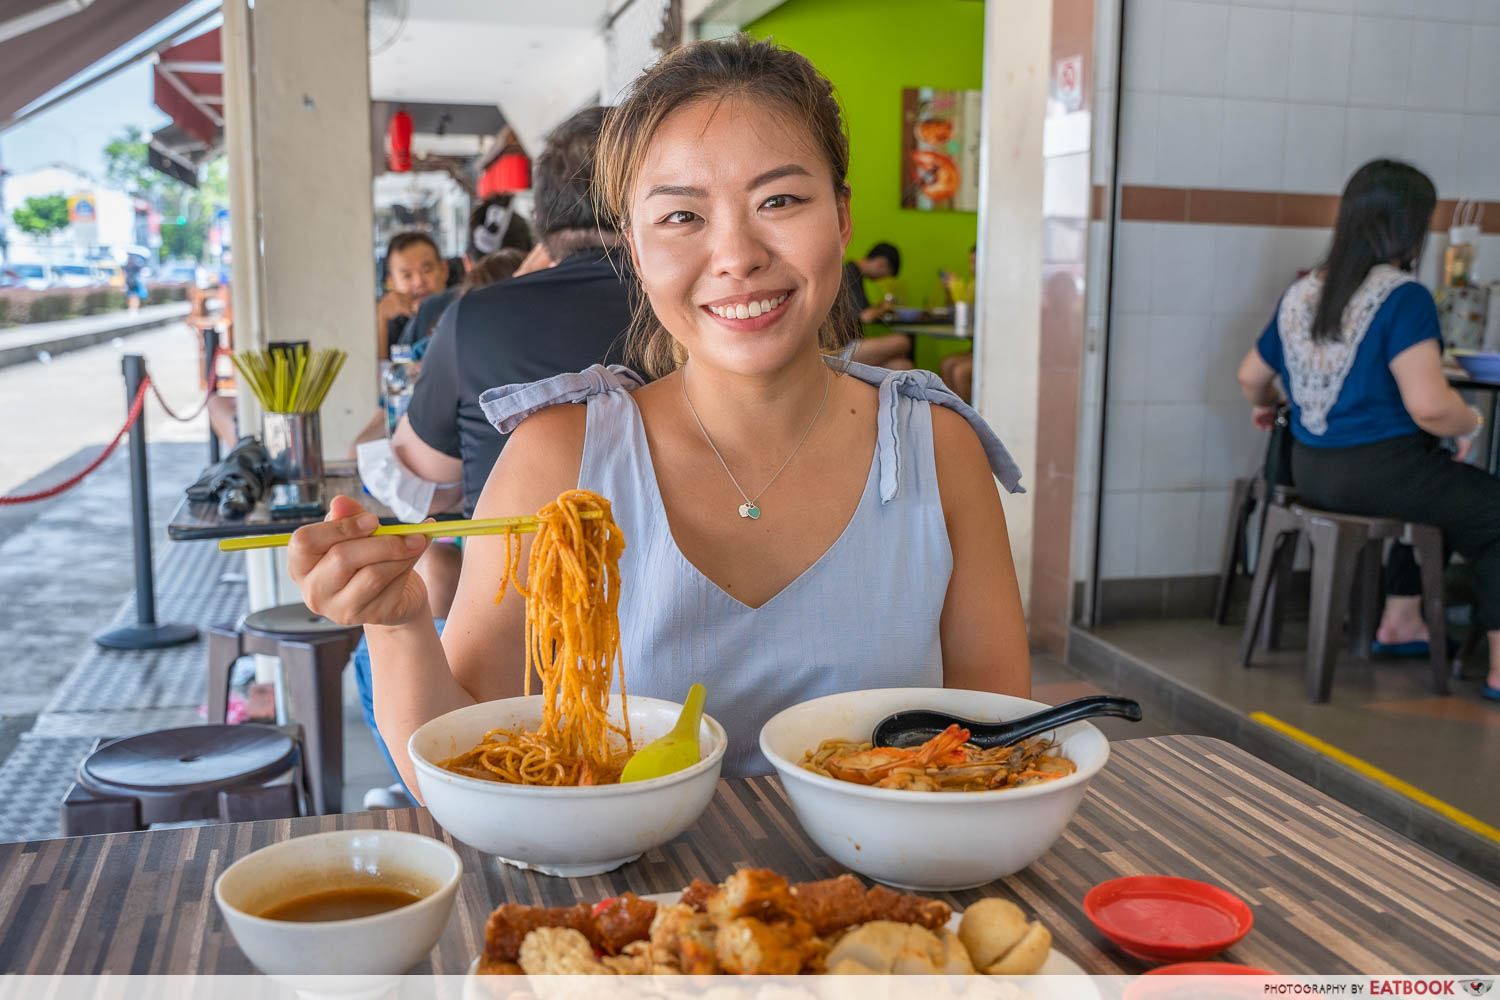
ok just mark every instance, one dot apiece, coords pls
pixel 676 750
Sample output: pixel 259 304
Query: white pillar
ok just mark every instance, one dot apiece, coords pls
pixel 1007 355
pixel 312 153
pixel 297 134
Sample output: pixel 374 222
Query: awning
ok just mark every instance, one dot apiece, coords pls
pixel 189 86
pixel 37 61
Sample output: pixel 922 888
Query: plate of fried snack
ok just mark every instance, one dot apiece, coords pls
pixel 756 923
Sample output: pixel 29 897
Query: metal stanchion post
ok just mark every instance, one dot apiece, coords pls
pixel 146 633
pixel 211 375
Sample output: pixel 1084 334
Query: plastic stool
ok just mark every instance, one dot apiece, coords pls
pixel 227 773
pixel 1340 543
pixel 313 652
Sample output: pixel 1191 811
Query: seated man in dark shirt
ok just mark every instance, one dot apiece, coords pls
pixel 562 318
pixel 891 350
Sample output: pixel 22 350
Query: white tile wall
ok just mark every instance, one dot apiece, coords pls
pixel 1164 547
pixel 1313 159
pixel 1258 54
pixel 1129 358
pixel 1381 61
pixel 1182 268
pixel 1188 130
pixel 1483 91
pixel 1118 525
pixel 1245 270
pixel 1433 146
pixel 1339 6
pixel 1253 146
pixel 1371 133
pixel 1479 157
pixel 1132 281
pixel 1194 38
pixel 1180 359
pixel 1138 119
pixel 1172 458
pixel 1143 46
pixel 1124 446
pixel 1321 46
pixel 1213 522
pixel 1448 10
pixel 1393 8
pixel 1440 65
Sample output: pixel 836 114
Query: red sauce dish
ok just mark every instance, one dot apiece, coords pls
pixel 1159 918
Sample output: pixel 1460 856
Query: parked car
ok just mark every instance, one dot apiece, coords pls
pixel 32 276
pixel 179 273
pixel 74 276
pixel 111 274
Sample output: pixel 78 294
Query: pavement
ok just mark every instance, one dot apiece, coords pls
pixel 20 344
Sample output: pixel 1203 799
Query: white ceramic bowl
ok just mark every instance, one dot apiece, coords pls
pixel 387 943
pixel 570 832
pixel 932 841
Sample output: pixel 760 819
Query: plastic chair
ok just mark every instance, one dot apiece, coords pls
pixel 313 652
pixel 1340 542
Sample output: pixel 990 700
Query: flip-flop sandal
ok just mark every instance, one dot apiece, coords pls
pixel 1407 650
pixel 1489 693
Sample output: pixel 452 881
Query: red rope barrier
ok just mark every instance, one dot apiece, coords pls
pixel 202 405
pixel 136 406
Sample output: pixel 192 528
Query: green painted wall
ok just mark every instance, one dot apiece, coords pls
pixel 871 50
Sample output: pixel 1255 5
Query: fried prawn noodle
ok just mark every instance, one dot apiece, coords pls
pixel 572 645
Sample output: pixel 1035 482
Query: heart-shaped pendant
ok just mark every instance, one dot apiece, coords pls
pixel 749 510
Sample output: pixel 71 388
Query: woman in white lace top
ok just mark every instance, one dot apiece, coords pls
pixel 1358 351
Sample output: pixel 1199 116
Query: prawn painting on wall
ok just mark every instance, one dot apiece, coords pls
pixel 940 149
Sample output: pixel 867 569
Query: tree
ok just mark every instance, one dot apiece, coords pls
pixel 186 213
pixel 127 167
pixel 42 216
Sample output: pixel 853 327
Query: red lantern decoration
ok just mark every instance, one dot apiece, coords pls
pixel 398 134
pixel 510 172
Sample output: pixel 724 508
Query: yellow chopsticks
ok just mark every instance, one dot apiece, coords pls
pixel 439 529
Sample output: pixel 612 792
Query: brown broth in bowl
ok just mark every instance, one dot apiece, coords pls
pixel 341 904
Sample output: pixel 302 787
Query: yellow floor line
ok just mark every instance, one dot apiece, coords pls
pixel 1387 779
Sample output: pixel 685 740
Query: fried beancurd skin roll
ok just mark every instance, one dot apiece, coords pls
pixel 887 904
pixel 509 924
pixel 623 920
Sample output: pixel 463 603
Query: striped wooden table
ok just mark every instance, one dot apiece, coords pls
pixel 1333 892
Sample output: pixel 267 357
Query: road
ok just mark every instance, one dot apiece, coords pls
pixel 77 400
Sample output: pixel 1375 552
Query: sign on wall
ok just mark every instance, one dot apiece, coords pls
pixel 940 149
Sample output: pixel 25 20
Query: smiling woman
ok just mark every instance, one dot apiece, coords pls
pixel 797 526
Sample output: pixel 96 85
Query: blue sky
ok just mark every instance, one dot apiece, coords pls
pixel 76 131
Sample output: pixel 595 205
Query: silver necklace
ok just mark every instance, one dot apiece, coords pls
pixel 750 508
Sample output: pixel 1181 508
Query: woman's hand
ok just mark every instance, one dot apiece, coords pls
pixel 1463 448
pixel 1263 417
pixel 351 576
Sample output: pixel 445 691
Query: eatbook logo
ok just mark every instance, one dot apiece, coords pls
pixel 1477 987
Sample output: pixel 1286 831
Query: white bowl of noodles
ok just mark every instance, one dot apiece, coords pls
pixel 925 840
pixel 565 831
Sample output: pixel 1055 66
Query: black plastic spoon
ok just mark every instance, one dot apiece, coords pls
pixel 916 726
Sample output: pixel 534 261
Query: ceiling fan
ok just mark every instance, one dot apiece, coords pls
pixel 387 18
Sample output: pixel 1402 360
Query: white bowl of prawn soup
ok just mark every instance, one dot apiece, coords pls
pixel 570 832
pixel 928 841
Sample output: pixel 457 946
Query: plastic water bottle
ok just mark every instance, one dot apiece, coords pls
pixel 397 381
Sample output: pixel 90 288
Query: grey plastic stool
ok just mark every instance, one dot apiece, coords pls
pixel 313 652
pixel 213 772
pixel 1340 542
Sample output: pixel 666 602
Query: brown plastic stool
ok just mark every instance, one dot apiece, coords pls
pixel 1340 543
pixel 313 652
pixel 228 773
